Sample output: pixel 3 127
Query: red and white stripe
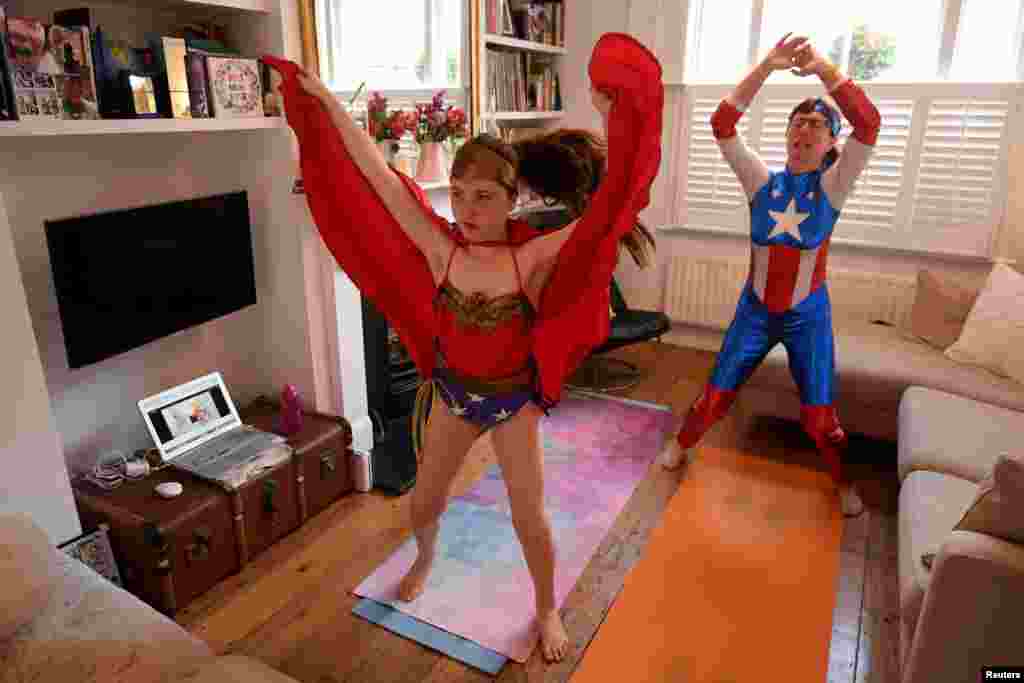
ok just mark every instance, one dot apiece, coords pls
pixel 783 276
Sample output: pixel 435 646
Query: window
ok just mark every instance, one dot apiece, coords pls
pixel 415 46
pixel 873 40
pixel 987 40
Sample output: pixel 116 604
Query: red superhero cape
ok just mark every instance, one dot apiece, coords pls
pixel 387 267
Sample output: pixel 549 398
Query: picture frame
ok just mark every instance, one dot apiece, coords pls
pixel 235 87
pixel 94 551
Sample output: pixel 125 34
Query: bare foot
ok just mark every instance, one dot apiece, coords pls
pixel 672 456
pixel 553 639
pixel 850 501
pixel 414 580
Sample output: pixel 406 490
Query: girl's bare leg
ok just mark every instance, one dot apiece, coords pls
pixel 446 441
pixel 519 452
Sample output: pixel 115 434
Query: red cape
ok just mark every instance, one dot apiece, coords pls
pixel 389 269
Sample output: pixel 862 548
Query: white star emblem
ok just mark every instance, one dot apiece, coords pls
pixel 810 196
pixel 788 221
pixel 776 193
pixel 476 398
pixel 458 410
pixel 502 415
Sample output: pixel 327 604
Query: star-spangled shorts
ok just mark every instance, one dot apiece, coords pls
pixel 485 410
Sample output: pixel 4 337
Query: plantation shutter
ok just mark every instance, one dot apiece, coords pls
pixel 960 184
pixel 713 195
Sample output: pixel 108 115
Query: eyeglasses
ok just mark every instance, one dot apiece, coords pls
pixel 813 124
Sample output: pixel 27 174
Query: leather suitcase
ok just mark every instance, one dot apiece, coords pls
pixel 321 455
pixel 168 551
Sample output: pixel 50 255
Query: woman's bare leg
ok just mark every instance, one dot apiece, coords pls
pixel 446 441
pixel 519 452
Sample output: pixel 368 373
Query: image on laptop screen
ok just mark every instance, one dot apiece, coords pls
pixel 184 415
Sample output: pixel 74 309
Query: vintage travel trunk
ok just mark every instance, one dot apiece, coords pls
pixel 320 455
pixel 168 551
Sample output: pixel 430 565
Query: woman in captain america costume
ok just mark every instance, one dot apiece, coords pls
pixel 792 215
pixel 493 314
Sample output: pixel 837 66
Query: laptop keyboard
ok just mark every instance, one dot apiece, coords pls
pixel 238 447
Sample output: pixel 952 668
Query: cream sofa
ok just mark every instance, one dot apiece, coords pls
pixel 963 611
pixel 61 621
pixel 875 364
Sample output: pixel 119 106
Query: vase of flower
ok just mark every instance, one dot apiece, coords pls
pixel 387 128
pixel 437 123
pixel 432 166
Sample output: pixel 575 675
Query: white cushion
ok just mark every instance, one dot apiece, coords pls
pixel 942 432
pixel 930 504
pixel 993 336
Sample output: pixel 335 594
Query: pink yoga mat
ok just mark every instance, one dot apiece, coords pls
pixel 596 450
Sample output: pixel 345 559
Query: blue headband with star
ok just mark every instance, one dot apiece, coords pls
pixel 830 115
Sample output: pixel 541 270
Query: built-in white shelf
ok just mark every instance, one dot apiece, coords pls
pixel 523 115
pixel 37 127
pixel 492 39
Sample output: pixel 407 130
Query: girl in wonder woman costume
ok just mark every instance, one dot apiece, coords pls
pixel 792 215
pixel 494 314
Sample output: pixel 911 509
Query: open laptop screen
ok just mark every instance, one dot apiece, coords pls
pixel 182 418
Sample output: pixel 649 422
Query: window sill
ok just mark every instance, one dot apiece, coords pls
pixel 853 245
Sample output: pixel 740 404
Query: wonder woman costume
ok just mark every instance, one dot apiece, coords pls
pixel 488 357
pixel 785 299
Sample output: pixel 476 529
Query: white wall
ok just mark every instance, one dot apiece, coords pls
pixel 256 349
pixel 35 480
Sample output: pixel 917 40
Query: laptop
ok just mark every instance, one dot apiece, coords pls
pixel 196 428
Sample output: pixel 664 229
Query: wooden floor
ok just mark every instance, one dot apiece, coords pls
pixel 291 607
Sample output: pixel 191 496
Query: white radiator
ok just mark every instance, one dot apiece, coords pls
pixel 704 291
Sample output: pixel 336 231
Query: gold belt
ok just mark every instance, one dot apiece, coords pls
pixel 519 381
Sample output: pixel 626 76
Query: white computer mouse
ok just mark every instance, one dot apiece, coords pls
pixel 169 489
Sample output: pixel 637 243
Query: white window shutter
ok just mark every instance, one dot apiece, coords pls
pixel 960 178
pixel 713 194
pixel 874 205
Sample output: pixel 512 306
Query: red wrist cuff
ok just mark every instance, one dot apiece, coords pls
pixel 859 110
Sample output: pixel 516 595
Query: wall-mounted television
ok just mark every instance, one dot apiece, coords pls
pixel 128 277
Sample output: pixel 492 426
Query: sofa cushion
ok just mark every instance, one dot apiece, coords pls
pixel 930 504
pixel 998 506
pixel 27 572
pixel 92 623
pixel 943 432
pixel 941 306
pixel 993 335
pixel 876 363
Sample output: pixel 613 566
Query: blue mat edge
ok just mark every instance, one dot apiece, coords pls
pixel 428 635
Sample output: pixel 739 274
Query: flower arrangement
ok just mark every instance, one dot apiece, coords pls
pixel 385 126
pixel 438 121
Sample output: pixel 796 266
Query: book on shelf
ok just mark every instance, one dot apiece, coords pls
pixel 522 82
pixel 538 22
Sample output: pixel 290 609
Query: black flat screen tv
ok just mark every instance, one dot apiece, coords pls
pixel 127 277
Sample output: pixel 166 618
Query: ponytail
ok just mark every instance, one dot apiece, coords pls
pixel 566 166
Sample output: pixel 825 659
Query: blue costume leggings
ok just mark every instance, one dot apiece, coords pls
pixel 806 332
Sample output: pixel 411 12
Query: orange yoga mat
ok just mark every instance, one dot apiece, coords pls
pixel 738 581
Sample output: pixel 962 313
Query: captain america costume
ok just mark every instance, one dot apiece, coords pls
pixel 785 298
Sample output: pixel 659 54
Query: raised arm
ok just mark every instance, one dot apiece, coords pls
pixel 750 170
pixel 838 181
pixel 360 230
pixel 417 223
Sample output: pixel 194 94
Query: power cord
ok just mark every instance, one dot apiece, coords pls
pixel 111 470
